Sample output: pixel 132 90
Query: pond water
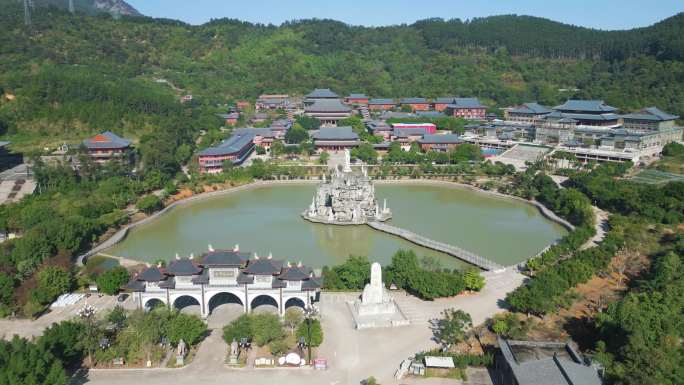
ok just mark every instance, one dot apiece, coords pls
pixel 267 220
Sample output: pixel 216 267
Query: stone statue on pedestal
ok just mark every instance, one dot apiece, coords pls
pixel 375 292
pixel 234 351
pixel 181 351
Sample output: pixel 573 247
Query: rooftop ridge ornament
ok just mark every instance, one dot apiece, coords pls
pixel 236 248
pixel 177 257
pixel 211 248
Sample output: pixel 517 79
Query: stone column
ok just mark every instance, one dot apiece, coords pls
pixel 205 313
pixel 247 307
pixel 281 305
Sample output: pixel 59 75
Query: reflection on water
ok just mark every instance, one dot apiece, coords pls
pixel 268 219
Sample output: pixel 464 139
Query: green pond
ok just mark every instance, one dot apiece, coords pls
pixel 267 220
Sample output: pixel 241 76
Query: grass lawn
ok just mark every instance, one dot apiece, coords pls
pixel 651 176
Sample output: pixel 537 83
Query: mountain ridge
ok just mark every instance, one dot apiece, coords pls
pixel 113 7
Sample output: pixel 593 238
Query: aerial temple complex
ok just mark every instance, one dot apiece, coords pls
pixel 348 198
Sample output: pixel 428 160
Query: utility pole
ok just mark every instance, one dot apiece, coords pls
pixel 71 7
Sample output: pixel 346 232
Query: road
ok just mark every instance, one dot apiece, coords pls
pixel 353 355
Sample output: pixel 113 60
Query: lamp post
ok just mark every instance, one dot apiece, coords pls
pixel 310 313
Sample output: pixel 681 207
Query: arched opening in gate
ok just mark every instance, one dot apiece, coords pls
pixel 153 303
pixel 224 300
pixel 264 304
pixel 295 303
pixel 188 304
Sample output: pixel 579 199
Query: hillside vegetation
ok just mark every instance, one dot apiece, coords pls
pixel 73 75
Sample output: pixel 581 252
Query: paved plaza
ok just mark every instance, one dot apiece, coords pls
pixel 353 355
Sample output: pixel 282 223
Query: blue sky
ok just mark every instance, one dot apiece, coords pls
pixel 603 14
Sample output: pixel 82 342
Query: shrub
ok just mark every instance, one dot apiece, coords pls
pixel 312 334
pixel 149 204
pixel 112 280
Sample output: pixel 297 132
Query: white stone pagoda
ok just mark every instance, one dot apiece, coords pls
pixel 348 198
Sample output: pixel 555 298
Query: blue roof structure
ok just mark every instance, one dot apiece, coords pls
pixel 547 363
pixel 327 105
pixel 651 113
pixel 445 100
pixel 413 101
pixel 593 106
pixel 406 132
pixel 229 146
pixel 531 108
pixel 381 101
pixel 106 140
pixel 322 93
pixel 466 103
pixel 335 133
pixel 441 139
pixel 357 96
pixel 430 114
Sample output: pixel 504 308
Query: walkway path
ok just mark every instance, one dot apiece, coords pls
pixel 420 240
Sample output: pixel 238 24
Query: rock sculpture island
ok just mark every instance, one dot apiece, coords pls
pixel 348 198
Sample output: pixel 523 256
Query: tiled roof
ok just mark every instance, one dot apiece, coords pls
pixel 585 106
pixel 322 93
pixel 441 139
pixel 327 105
pixel 651 113
pixel 295 273
pixel 335 133
pixel 381 101
pixel 224 258
pixel 229 146
pixel 183 267
pixel 445 100
pixel 243 279
pixel 430 114
pixel 406 132
pixel 263 266
pixel 413 101
pixel 466 103
pixel 202 278
pixel 265 132
pixel 531 108
pixel 106 140
pixel 357 96
pixel 4 143
pixel 135 285
pixel 152 274
pixel 537 364
pixel 312 283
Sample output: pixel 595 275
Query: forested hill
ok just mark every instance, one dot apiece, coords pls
pixel 72 75
pixel 114 7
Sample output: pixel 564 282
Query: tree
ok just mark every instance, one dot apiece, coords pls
pixel 266 328
pixel 23 362
pixel 188 328
pixel 6 289
pixel 149 204
pixel 324 157
pixel 473 280
pixel 296 136
pixel 277 148
pixel 63 340
pixel 292 318
pixel 452 328
pixel 278 347
pixel 500 327
pixel 308 123
pixel 311 331
pixel 52 282
pixel 111 281
pixel 366 153
pixel 239 328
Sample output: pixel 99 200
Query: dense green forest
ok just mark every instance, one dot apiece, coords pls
pixel 75 74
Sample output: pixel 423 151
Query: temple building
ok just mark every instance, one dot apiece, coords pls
pixel 445 142
pixel 416 104
pixel 226 276
pixel 543 363
pixel 335 138
pixel 528 113
pixel 320 94
pixel 649 119
pixel 586 113
pixel 328 111
pixel 235 149
pixel 467 108
pixel 441 104
pixel 348 198
pixel 108 146
pixel 381 104
pixel 273 102
pixel 358 99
